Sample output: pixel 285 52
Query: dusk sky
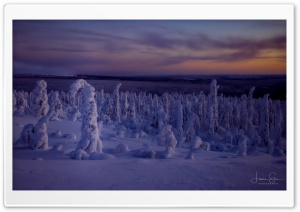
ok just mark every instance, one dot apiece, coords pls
pixel 149 47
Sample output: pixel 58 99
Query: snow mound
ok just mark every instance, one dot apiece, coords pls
pixel 190 156
pixel 58 147
pixel 205 146
pixel 142 134
pixel 78 155
pixel 101 156
pixel 145 152
pixel 218 147
pixel 121 148
pixel 70 136
pixel 197 142
pixel 57 134
pixel 37 158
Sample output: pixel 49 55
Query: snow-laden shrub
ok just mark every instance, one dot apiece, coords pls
pixel 205 146
pixel 121 148
pixel 40 136
pixel 166 137
pixel 39 105
pixel 144 152
pixel 89 141
pixel 101 156
pixel 26 135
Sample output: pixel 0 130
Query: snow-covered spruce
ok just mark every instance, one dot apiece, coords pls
pixel 213 107
pixel 26 137
pixel 177 122
pixel 56 110
pixel 89 141
pixel 264 124
pixel 116 115
pixel 166 137
pixel 190 115
pixel 20 102
pixel 40 135
pixel 277 132
pixel 39 105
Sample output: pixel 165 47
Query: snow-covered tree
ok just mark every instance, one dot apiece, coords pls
pixel 278 130
pixel 39 105
pixel 264 120
pixel 116 114
pixel 166 103
pixel 244 113
pixel 40 135
pixel 213 106
pixel 166 137
pixel 177 122
pixel 125 105
pixel 26 135
pixel 56 110
pixel 20 102
pixel 89 141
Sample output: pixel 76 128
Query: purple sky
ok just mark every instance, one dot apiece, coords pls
pixel 160 47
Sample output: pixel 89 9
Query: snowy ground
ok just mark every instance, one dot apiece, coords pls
pixel 53 170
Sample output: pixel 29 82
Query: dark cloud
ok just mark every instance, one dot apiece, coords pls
pixel 55 60
pixel 57 49
pixel 203 41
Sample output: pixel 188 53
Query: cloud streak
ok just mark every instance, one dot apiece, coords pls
pixel 131 46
